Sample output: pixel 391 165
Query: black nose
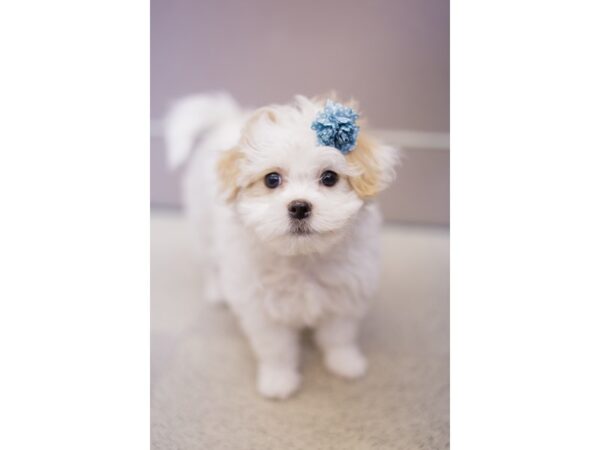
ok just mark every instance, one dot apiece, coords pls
pixel 299 209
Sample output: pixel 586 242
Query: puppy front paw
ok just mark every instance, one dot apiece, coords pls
pixel 277 382
pixel 346 362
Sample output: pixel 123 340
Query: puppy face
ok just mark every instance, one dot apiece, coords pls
pixel 296 196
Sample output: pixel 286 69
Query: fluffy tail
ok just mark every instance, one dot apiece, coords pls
pixel 191 117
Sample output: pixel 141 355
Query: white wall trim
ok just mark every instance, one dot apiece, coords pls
pixel 415 139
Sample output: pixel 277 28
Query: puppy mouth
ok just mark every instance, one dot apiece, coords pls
pixel 300 228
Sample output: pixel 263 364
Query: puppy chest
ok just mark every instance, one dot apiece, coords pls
pixel 303 295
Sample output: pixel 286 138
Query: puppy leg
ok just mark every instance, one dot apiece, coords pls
pixel 336 337
pixel 277 350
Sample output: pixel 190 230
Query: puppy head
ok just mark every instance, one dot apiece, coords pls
pixel 299 197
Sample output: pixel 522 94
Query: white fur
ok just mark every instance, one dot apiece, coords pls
pixel 276 282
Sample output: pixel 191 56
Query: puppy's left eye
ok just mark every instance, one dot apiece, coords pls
pixel 329 178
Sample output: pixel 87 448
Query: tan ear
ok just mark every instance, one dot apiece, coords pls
pixel 375 164
pixel 228 168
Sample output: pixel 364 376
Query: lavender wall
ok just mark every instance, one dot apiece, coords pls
pixel 392 55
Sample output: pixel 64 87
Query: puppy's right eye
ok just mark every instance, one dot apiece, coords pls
pixel 272 180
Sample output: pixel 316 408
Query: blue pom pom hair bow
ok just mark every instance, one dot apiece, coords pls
pixel 336 127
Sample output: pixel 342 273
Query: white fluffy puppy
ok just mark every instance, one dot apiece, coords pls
pixel 288 226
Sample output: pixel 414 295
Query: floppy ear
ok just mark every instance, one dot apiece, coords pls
pixel 375 166
pixel 228 168
pixel 228 164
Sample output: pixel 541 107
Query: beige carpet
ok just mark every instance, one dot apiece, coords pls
pixel 203 394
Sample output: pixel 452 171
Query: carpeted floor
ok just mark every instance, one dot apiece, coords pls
pixel 203 394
